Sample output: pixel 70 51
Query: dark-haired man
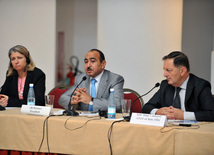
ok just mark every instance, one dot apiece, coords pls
pixel 104 80
pixel 194 100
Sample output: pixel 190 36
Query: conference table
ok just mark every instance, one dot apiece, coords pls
pixel 89 135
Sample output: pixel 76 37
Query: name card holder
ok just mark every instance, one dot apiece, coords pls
pixel 148 119
pixel 36 110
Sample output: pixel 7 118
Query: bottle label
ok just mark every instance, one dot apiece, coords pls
pixel 31 103
pixel 111 110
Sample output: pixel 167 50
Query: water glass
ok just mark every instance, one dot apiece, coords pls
pixel 126 103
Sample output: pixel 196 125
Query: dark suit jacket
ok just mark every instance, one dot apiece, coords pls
pixel 10 88
pixel 107 81
pixel 198 98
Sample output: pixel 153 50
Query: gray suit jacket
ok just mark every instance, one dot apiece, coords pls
pixel 107 81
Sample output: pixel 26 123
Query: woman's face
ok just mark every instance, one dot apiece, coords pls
pixel 18 61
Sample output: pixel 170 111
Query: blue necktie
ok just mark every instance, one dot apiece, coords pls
pixel 93 92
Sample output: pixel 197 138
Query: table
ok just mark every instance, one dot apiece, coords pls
pixel 24 132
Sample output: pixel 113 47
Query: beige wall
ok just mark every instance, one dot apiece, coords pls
pixel 32 24
pixel 135 35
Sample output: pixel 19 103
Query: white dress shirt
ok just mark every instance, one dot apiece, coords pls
pixel 98 77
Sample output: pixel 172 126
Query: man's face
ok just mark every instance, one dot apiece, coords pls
pixel 93 66
pixel 172 73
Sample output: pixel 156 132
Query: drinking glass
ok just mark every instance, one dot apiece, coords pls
pixel 125 103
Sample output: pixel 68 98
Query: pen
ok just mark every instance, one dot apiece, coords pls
pixel 187 125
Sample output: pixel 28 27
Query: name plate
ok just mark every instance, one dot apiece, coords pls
pixel 148 119
pixel 36 110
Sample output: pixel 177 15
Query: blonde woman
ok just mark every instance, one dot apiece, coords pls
pixel 21 72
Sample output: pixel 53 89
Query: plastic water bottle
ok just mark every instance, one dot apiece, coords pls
pixel 31 96
pixel 112 105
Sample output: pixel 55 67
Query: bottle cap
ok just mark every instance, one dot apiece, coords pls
pixel 31 84
pixel 112 90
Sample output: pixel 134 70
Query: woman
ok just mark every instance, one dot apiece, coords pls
pixel 21 72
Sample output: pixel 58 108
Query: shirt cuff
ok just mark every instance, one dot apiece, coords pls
pixel 189 116
pixel 154 111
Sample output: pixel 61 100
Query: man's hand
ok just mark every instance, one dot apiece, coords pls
pixel 167 111
pixel 178 113
pixel 171 113
pixel 84 96
pixel 81 96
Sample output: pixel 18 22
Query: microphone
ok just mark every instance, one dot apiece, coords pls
pixel 70 112
pixel 127 118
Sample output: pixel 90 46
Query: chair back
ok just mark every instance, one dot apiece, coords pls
pixel 133 95
pixel 57 92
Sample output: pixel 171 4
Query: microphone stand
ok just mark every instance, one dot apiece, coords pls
pixel 127 118
pixel 72 112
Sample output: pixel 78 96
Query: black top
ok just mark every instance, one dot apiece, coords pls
pixel 10 88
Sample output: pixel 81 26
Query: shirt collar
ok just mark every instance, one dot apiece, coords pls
pixel 184 85
pixel 98 77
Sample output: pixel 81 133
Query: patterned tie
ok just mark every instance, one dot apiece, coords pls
pixel 93 92
pixel 177 100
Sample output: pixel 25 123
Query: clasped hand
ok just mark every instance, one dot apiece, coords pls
pixel 171 113
pixel 81 95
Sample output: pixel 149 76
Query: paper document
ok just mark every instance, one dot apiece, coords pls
pixel 89 113
pixel 177 122
pixel 59 112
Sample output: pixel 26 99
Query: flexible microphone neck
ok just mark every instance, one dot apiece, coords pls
pixel 71 112
pixel 127 118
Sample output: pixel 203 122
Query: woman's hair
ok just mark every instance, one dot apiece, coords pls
pixel 22 50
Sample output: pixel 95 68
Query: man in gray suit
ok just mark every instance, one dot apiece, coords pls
pixel 94 69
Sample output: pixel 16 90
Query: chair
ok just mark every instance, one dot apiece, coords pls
pixel 133 95
pixel 57 92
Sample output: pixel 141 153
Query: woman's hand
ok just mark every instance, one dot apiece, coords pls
pixel 3 100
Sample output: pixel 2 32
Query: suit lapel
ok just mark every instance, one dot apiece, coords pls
pixel 87 84
pixel 27 82
pixel 171 92
pixel 103 84
pixel 189 90
pixel 15 84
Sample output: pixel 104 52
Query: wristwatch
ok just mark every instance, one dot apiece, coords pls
pixel 91 102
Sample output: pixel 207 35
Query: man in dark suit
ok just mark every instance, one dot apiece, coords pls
pixel 194 100
pixel 94 69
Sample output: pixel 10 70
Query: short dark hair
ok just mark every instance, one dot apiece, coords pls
pixel 180 59
pixel 102 57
